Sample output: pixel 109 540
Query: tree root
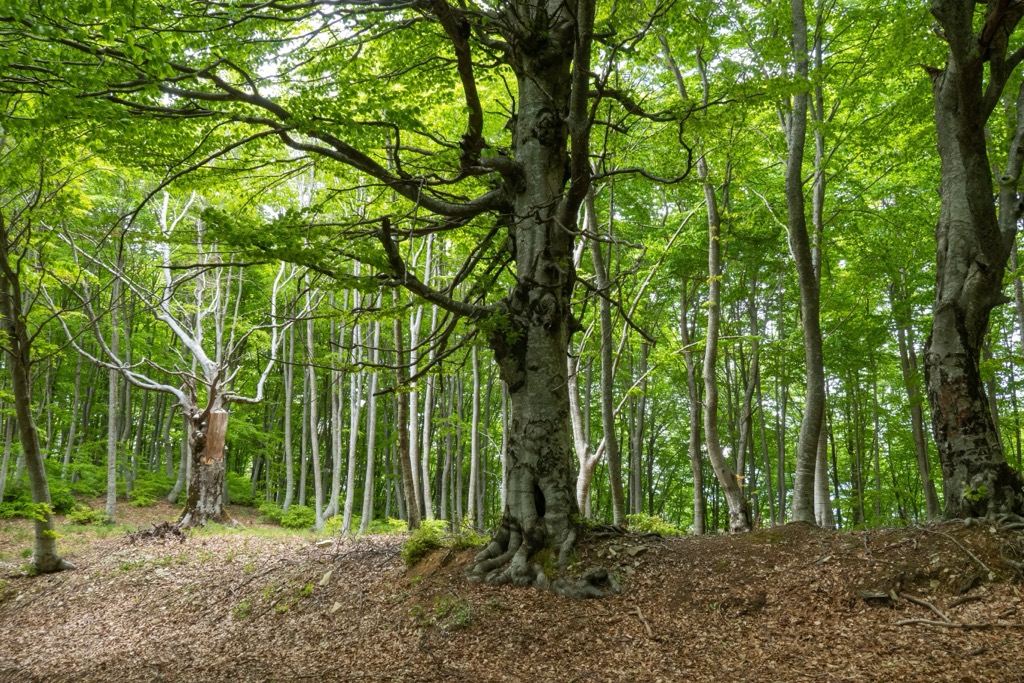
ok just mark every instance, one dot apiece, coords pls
pixel 509 559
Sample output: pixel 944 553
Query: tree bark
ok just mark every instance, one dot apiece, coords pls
pixel 973 245
pixel 800 246
pixel 696 463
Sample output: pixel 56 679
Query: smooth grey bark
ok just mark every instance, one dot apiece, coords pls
pixel 974 236
pixel 314 421
pixel 610 437
pixel 335 389
pixel 408 484
pixel 474 442
pixel 371 431
pixel 802 509
pixel 911 383
pixel 289 392
pixel 696 462
pixel 76 400
pixel 637 438
pixel 113 380
pixel 739 512
pixel 355 390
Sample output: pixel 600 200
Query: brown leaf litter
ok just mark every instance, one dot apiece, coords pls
pixel 792 603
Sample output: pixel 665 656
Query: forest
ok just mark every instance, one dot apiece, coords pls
pixel 525 267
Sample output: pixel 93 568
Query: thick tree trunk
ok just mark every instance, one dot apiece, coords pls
pixel 973 246
pixel 541 513
pixel 408 484
pixel 205 500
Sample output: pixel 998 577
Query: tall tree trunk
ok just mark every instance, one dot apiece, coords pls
pixel 408 483
pixel 800 247
pixel 908 365
pixel 204 501
pixel 45 558
pixel 474 442
pixel 355 390
pixel 314 422
pixel 371 430
pixel 611 441
pixel 739 513
pixel 289 390
pixel 696 463
pixel 113 380
pixel 973 245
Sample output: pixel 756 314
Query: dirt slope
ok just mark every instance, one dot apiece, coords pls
pixel 784 604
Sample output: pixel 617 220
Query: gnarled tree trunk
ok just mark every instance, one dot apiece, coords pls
pixel 973 245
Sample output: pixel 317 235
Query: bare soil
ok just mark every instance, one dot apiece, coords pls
pixel 791 603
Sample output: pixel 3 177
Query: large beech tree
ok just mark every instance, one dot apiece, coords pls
pixel 512 176
pixel 974 238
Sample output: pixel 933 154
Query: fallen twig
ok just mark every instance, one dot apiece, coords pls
pixel 966 598
pixel 953 624
pixel 643 620
pixel 925 603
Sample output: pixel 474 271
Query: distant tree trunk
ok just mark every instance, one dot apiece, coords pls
pixel 289 391
pixel 355 390
pixel 973 245
pixel 69 447
pixel 113 379
pixel 474 442
pixel 637 441
pixel 908 365
pixel 314 422
pixel 371 430
pixel 408 483
pixel 8 438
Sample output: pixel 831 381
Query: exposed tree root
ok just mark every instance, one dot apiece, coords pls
pixel 511 558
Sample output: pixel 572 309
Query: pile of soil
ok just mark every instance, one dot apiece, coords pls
pixel 792 603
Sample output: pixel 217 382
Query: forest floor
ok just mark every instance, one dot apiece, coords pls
pixel 791 603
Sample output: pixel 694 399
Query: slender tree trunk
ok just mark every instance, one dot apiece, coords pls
pixel 800 246
pixel 908 365
pixel 739 513
pixel 113 378
pixel 289 390
pixel 73 421
pixel 8 438
pixel 696 463
pixel 408 483
pixel 355 390
pixel 474 442
pixel 314 422
pixel 371 430
pixel 614 456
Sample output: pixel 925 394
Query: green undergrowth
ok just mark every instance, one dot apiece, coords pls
pixel 433 534
pixel 652 524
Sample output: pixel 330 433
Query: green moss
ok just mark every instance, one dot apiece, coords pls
pixel 421 542
pixel 652 524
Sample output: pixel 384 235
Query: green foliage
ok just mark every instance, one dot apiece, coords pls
pixel 87 479
pixel 85 515
pixel 428 537
pixel 148 487
pixel 239 489
pixel 652 524
pixel 387 526
pixel 271 511
pixel 299 517
pixel 242 610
